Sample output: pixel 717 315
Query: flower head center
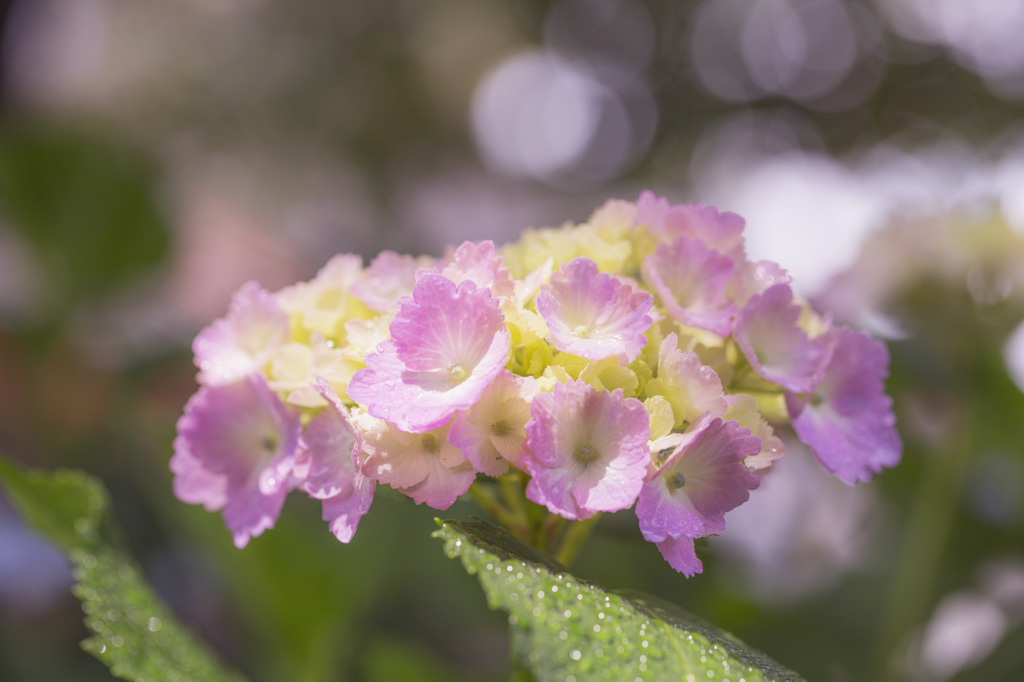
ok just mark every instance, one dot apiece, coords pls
pixel 269 444
pixel 458 373
pixel 428 442
pixel 501 427
pixel 676 481
pixel 581 331
pixel 586 453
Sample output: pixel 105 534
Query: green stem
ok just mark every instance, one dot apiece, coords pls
pixel 926 536
pixel 572 541
pixel 486 498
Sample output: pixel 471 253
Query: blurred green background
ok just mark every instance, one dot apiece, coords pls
pixel 155 154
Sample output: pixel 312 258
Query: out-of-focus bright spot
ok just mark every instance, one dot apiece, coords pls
pixel 982 35
pixel 1003 581
pixel 810 211
pixel 616 31
pixel 535 115
pixel 1013 354
pixel 802 49
pixel 963 631
pixel 543 117
pixel 800 531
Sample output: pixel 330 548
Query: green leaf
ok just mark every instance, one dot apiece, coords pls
pixel 133 633
pixel 565 628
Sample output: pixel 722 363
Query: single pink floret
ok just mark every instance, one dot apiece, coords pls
pixel 848 419
pixel 424 466
pixel 593 314
pixel 389 277
pixel 492 433
pixel 691 280
pixel 329 466
pixel 242 342
pixel 448 343
pixel 701 476
pixel 479 264
pixel 587 450
pixel 774 344
pixel 235 451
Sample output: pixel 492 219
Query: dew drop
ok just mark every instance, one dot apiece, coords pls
pixel 563 635
pixel 116 640
pixel 575 654
pixel 154 624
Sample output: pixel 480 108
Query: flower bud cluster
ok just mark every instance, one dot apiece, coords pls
pixel 637 358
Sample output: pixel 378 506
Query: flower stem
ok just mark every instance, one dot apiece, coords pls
pixel 485 496
pixel 572 541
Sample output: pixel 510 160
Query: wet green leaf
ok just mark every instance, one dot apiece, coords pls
pixel 131 631
pixel 568 629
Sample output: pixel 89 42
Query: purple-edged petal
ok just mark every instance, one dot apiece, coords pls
pixel 448 343
pixel 389 277
pixel 329 465
pixel 691 279
pixel 235 451
pixel 722 232
pixel 698 481
pixel 775 345
pixel 848 419
pixel 587 449
pixel 242 342
pixel 478 263
pixel 681 555
pixel 689 386
pixel 492 433
pixel 593 314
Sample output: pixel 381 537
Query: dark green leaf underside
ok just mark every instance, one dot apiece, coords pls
pixel 566 629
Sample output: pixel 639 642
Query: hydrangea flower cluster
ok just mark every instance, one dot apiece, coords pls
pixel 637 358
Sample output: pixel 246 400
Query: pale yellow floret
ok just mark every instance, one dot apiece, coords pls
pixel 325 303
pixel 562 244
pixel 553 374
pixel 717 359
pixel 295 366
pixel 745 412
pixel 608 375
pixel 813 324
pixel 662 419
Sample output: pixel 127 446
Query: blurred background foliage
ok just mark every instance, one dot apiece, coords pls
pixel 155 154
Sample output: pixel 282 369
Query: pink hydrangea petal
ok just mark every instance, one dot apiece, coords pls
pixel 389 277
pixel 756 278
pixel 480 264
pixel 243 435
pixel 700 480
pixel 552 488
pixel 848 421
pixel 587 445
pixel 699 387
pixel 325 453
pixel 662 516
pixel 681 555
pixel 776 347
pixel 443 485
pixel 445 324
pixel 691 280
pixel 240 343
pixel 448 344
pixel 722 232
pixel 505 401
pixel 593 314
